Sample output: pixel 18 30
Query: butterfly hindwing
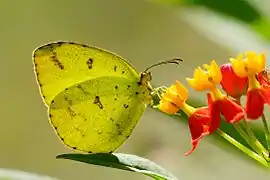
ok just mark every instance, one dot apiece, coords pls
pixel 97 115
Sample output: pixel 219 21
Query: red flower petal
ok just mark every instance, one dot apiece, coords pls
pixel 232 84
pixel 256 98
pixel 214 113
pixel 231 111
pixel 202 122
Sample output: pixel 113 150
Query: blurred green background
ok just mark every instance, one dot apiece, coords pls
pixel 144 32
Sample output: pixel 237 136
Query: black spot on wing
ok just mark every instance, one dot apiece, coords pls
pixel 115 87
pixel 127 136
pixel 136 93
pixel 112 119
pixel 89 63
pixel 37 74
pixel 119 133
pixel 58 44
pixel 123 72
pixel 126 106
pixel 50 47
pixel 56 61
pixel 98 102
pixel 115 67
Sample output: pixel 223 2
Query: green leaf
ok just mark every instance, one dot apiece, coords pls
pixel 262 26
pixel 126 162
pixel 238 9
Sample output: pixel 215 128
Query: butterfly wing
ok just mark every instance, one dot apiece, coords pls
pixel 98 115
pixel 62 64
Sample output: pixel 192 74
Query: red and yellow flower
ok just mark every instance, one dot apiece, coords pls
pixel 243 76
pixel 258 93
pixel 207 80
pixel 202 121
pixel 232 84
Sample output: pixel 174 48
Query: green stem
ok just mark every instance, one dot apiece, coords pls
pixel 255 140
pixel 249 131
pixel 247 138
pixel 252 139
pixel 254 144
pixel 266 131
pixel 243 148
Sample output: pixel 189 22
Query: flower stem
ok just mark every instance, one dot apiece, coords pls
pixel 254 143
pixel 266 131
pixel 243 148
pixel 248 129
pixel 247 138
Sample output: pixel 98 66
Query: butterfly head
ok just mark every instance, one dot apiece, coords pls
pixel 145 78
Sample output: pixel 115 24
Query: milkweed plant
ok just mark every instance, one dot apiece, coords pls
pixel 244 78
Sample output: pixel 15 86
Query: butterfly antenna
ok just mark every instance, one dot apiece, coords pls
pixel 169 61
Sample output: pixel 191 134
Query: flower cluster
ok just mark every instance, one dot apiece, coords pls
pixel 243 76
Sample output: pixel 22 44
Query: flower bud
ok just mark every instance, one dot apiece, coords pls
pixel 232 84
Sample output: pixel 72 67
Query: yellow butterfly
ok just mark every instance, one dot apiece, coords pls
pixel 95 98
